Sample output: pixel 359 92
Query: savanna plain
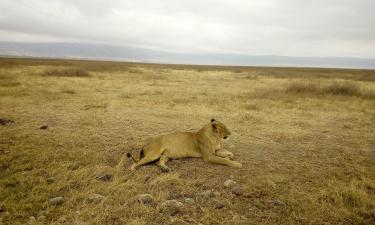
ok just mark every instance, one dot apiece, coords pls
pixel 304 136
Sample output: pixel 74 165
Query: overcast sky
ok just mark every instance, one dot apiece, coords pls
pixel 343 28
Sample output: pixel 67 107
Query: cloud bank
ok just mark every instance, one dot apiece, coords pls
pixel 338 28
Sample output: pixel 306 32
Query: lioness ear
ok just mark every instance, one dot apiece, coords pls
pixel 214 126
pixel 212 120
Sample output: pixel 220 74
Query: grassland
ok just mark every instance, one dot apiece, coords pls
pixel 305 138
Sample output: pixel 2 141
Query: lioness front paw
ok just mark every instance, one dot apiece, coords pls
pixel 237 164
pixel 230 156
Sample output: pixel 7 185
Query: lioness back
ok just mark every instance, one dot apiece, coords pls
pixel 176 145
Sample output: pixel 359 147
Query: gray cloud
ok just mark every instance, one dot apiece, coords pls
pixel 285 27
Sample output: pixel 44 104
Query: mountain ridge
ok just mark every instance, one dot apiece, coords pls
pixel 125 53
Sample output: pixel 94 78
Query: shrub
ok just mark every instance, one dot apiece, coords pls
pixel 306 87
pixel 342 88
pixel 7 80
pixel 66 72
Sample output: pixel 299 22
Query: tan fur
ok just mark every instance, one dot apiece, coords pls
pixel 205 143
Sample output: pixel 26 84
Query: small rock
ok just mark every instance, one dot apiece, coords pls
pixel 104 177
pixel 32 220
pixel 56 201
pixel 73 166
pixel 42 218
pixel 43 127
pixel 277 202
pixel 28 168
pixel 146 199
pixel 62 219
pixel 208 194
pixel 95 198
pixel 189 200
pixel 11 183
pixel 229 183
pixel 4 122
pixel 217 204
pixel 237 217
pixel 237 190
pixel 51 180
pixel 243 218
pixel 190 220
pixel 216 194
pixel 172 207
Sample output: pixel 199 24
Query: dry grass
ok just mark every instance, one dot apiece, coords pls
pixel 305 138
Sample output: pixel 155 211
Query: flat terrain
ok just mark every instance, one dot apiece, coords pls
pixel 305 138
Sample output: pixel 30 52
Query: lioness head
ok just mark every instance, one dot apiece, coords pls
pixel 220 129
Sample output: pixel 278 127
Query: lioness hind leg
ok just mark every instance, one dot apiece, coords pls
pixel 162 161
pixel 146 159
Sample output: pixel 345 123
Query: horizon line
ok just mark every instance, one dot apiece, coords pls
pixel 177 64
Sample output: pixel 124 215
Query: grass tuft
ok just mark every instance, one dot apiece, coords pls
pixel 336 88
pixel 342 88
pixel 66 72
pixel 9 83
pixel 303 87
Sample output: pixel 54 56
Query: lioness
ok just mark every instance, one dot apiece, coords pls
pixel 204 143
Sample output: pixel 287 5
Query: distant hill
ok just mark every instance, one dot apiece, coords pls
pixel 123 53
